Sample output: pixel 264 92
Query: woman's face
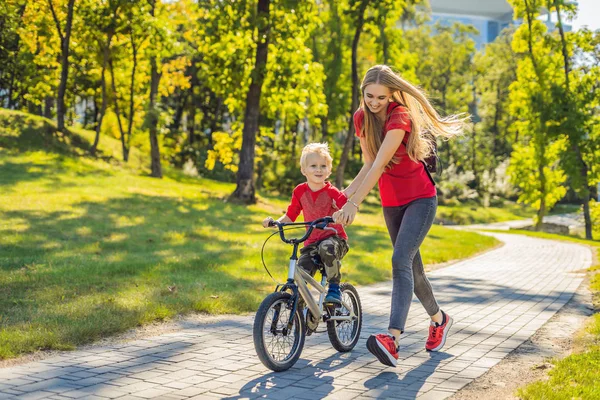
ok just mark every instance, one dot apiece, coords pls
pixel 377 97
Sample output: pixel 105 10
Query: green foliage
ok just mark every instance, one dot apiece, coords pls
pixel 205 56
pixel 225 148
pixel 524 171
pixel 495 70
pixel 595 216
pixel 445 70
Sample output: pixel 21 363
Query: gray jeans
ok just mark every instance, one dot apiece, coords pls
pixel 408 225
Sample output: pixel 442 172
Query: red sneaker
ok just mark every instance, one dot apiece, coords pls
pixel 384 348
pixel 438 333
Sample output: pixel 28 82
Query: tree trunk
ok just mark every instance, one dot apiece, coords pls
pixel 64 73
pixel 131 91
pixel 192 118
pixel 495 129
pixel 324 128
pixel 215 121
pixel 339 176
pixel 155 166
pixel 244 191
pixel 542 210
pixel 14 65
pixel 182 103
pixel 118 112
pixel 48 103
pixel 192 113
pixel 385 44
pixel 105 56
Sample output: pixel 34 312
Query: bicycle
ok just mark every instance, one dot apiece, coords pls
pixel 280 327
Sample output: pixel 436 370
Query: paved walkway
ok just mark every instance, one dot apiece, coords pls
pixel 498 301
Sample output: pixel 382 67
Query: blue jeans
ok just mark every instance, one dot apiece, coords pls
pixel 408 225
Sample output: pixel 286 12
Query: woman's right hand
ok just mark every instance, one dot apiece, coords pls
pixel 346 215
pixel 267 221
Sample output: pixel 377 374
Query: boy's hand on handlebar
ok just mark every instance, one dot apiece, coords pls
pixel 268 222
pixel 346 215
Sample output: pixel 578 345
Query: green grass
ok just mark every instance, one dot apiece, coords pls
pixel 577 375
pixel 89 247
pixel 509 211
pixel 466 214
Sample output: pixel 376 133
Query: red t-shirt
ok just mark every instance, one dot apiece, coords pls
pixel 407 180
pixel 315 205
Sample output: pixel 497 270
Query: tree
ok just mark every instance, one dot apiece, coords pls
pixel 539 190
pixel 495 71
pixel 358 11
pixel 65 39
pixel 573 115
pixel 244 190
pixel 531 95
pixel 445 71
pixel 168 61
pixel 102 20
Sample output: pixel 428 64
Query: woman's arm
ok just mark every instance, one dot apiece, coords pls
pixel 357 181
pixel 388 148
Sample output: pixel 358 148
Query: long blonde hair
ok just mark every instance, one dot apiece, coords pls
pixel 426 122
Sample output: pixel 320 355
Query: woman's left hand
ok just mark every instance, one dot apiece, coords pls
pixel 346 215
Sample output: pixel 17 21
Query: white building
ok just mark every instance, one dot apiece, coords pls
pixel 489 17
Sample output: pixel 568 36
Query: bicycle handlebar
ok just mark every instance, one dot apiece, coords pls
pixel 320 223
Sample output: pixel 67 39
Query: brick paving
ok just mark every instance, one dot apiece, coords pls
pixel 498 300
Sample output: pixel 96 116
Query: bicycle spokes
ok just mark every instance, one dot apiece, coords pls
pixel 279 340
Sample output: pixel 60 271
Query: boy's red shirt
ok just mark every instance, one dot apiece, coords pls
pixel 407 180
pixel 314 205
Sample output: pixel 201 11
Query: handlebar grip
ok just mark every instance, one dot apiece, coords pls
pixel 272 223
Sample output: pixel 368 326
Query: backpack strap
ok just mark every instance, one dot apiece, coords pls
pixel 405 143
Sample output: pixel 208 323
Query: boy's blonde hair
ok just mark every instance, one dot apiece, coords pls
pixel 321 149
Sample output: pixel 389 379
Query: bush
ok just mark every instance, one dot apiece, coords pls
pixel 454 186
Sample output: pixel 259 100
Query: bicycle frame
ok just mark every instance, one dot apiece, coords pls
pixel 298 279
pixel 302 280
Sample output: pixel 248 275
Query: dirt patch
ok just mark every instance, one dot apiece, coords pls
pixel 531 361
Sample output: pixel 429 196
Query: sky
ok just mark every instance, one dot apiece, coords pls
pixel 589 14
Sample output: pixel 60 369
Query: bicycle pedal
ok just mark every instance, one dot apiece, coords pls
pixel 332 305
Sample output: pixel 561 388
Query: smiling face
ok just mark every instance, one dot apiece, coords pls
pixel 316 169
pixel 377 97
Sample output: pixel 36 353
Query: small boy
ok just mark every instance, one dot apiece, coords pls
pixel 317 198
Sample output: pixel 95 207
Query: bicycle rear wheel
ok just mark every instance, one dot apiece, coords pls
pixel 344 335
pixel 277 347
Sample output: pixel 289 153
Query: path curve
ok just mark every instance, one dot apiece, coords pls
pixel 498 300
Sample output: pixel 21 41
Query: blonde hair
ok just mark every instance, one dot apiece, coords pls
pixel 426 122
pixel 321 149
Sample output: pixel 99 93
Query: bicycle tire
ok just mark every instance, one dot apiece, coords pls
pixel 263 339
pixel 351 328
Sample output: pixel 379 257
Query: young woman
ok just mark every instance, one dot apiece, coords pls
pixel 396 125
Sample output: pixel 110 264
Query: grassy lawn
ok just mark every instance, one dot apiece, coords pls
pixel 89 247
pixel 510 211
pixel 578 375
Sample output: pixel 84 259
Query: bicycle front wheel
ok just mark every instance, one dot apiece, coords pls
pixel 278 347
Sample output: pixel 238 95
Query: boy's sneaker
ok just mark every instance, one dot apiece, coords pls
pixel 334 295
pixel 438 333
pixel 384 348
